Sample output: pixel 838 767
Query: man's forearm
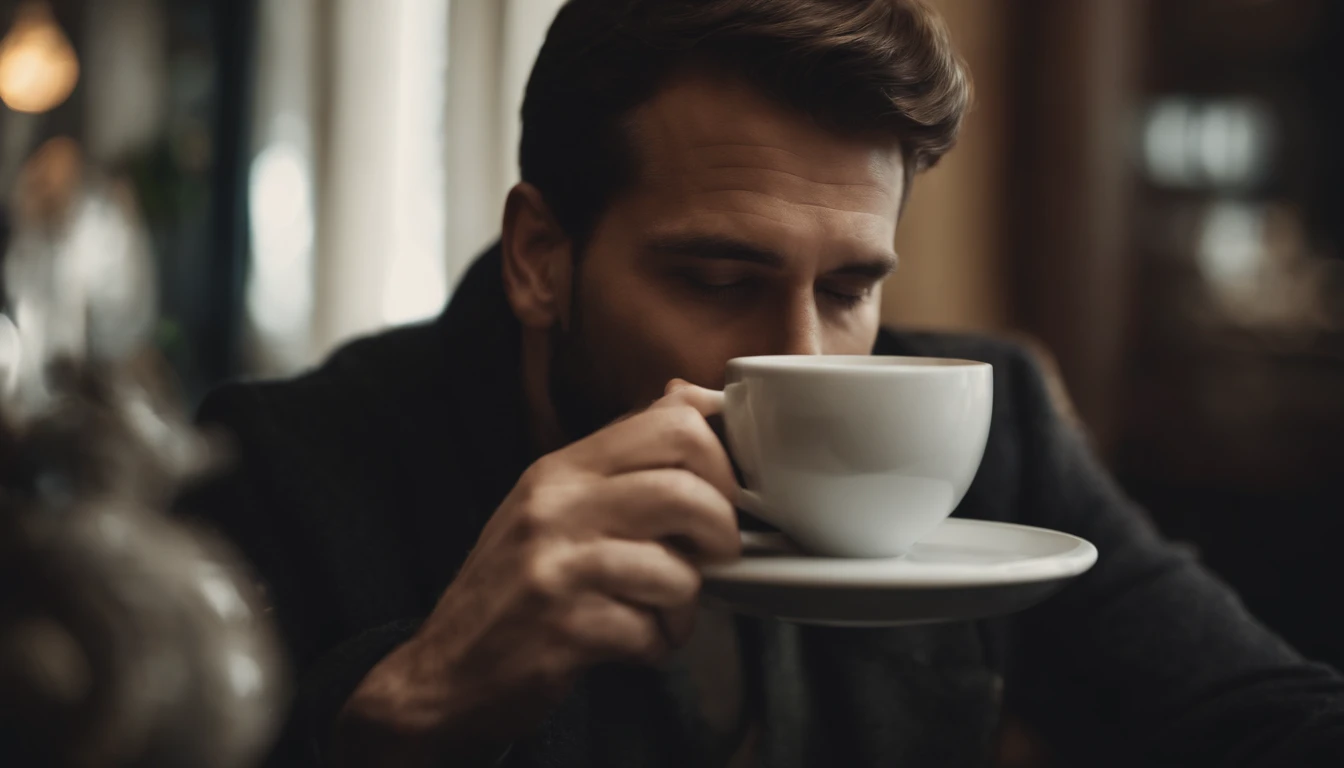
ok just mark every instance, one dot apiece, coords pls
pixel 389 721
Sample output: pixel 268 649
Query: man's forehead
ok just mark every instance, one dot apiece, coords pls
pixel 717 158
pixel 703 124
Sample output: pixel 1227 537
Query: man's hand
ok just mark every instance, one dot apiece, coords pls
pixel 591 558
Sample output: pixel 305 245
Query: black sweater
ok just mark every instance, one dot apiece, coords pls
pixel 361 486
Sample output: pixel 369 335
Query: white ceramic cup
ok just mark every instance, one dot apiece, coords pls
pixel 856 456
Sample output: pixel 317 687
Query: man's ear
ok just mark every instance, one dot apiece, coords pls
pixel 538 259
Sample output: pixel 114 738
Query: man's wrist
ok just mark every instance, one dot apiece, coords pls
pixel 396 717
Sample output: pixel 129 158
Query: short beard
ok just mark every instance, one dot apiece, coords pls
pixel 582 406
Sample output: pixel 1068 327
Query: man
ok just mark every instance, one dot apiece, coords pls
pixel 475 561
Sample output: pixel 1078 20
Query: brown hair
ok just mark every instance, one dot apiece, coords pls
pixel 855 66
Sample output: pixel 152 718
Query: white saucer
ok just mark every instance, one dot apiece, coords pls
pixel 965 569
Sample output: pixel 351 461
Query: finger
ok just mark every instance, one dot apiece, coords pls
pixel 645 573
pixel 673 435
pixel 709 402
pixel 599 629
pixel 667 504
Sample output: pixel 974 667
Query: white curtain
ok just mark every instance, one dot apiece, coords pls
pixel 385 139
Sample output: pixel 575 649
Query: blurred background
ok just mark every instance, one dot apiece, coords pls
pixel 1150 189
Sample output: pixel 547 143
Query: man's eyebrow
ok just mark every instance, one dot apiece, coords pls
pixel 717 247
pixel 878 268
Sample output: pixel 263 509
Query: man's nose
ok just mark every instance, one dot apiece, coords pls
pixel 801 332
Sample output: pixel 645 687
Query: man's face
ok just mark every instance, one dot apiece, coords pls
pixel 749 231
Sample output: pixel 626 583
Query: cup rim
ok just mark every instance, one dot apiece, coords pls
pixel 874 365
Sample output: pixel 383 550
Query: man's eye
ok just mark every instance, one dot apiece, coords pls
pixel 718 284
pixel 712 285
pixel 846 297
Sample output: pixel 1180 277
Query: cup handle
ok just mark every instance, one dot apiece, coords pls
pixel 751 502
pixel 737 418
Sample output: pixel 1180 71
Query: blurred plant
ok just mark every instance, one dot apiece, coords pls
pixel 126 638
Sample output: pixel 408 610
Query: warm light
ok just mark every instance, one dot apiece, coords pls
pixel 38 66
